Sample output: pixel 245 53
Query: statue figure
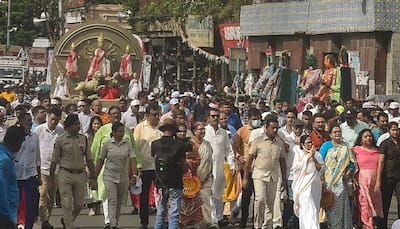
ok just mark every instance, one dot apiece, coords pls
pixel 311 79
pixel 71 65
pixel 125 69
pixel 249 82
pixel 284 79
pixel 110 90
pixel 134 87
pixel 61 87
pixel 161 86
pixel 345 74
pixel 99 62
pixel 330 80
pixel 87 88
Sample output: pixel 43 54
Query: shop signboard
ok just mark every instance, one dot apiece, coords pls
pixel 230 35
pixel 200 31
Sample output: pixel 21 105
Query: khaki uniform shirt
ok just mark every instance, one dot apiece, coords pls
pixel 117 154
pixel 267 153
pixel 69 151
pixel 144 135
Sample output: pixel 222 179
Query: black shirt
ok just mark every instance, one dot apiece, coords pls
pixel 174 152
pixel 391 151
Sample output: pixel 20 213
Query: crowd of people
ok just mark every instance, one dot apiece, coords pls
pixel 199 159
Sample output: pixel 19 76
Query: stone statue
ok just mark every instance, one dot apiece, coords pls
pixel 125 69
pixel 87 88
pixel 71 65
pixel 100 62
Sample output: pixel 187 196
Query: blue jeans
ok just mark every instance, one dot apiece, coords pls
pixel 174 198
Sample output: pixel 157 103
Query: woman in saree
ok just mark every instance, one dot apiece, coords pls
pixel 94 125
pixel 369 200
pixel 306 186
pixel 339 162
pixel 197 211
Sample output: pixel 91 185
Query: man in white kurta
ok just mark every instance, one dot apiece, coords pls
pixel 222 149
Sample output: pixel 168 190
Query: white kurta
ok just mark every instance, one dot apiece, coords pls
pixel 306 189
pixel 222 149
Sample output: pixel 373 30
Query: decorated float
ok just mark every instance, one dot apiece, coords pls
pixel 97 60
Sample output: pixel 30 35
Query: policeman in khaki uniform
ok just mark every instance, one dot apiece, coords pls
pixel 71 152
pixel 268 154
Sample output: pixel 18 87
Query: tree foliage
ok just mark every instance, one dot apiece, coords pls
pixel 221 10
pixel 22 13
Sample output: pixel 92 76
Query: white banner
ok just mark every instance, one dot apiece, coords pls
pixel 146 71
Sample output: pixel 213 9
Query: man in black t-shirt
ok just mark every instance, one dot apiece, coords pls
pixel 170 161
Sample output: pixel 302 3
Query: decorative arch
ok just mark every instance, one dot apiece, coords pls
pixel 85 37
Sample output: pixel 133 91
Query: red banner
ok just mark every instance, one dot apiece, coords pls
pixel 230 35
pixel 37 57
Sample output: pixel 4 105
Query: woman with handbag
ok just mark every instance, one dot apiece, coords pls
pixel 306 186
pixel 339 162
pixel 369 200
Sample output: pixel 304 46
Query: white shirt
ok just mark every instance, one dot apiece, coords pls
pixel 3 130
pixel 350 134
pixel 382 138
pixel 129 119
pixel 255 133
pixel 15 103
pixel 27 159
pixel 47 139
pixel 288 138
pixel 221 146
pixel 84 119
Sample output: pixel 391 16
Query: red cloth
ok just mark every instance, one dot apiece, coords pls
pixel 109 93
pixel 94 65
pixel 71 65
pixel 21 208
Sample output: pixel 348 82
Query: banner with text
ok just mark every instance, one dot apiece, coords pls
pixel 200 31
pixel 230 36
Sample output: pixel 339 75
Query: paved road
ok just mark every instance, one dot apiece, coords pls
pixel 128 221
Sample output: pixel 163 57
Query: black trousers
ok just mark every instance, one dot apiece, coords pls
pixel 246 195
pixel 387 188
pixel 147 178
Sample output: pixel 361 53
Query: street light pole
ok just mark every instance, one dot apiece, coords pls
pixel 8 26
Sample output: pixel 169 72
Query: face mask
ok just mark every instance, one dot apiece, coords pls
pixel 255 123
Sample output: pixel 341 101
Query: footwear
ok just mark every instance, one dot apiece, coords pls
pixel 107 226
pixel 62 223
pixel 223 223
pixel 47 225
pixel 21 226
pixel 212 226
pixel 152 210
pixel 233 219
pixel 135 211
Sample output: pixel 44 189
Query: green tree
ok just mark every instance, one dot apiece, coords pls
pixel 22 13
pixel 221 10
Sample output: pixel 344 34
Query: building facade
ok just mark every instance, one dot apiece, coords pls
pixel 367 27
